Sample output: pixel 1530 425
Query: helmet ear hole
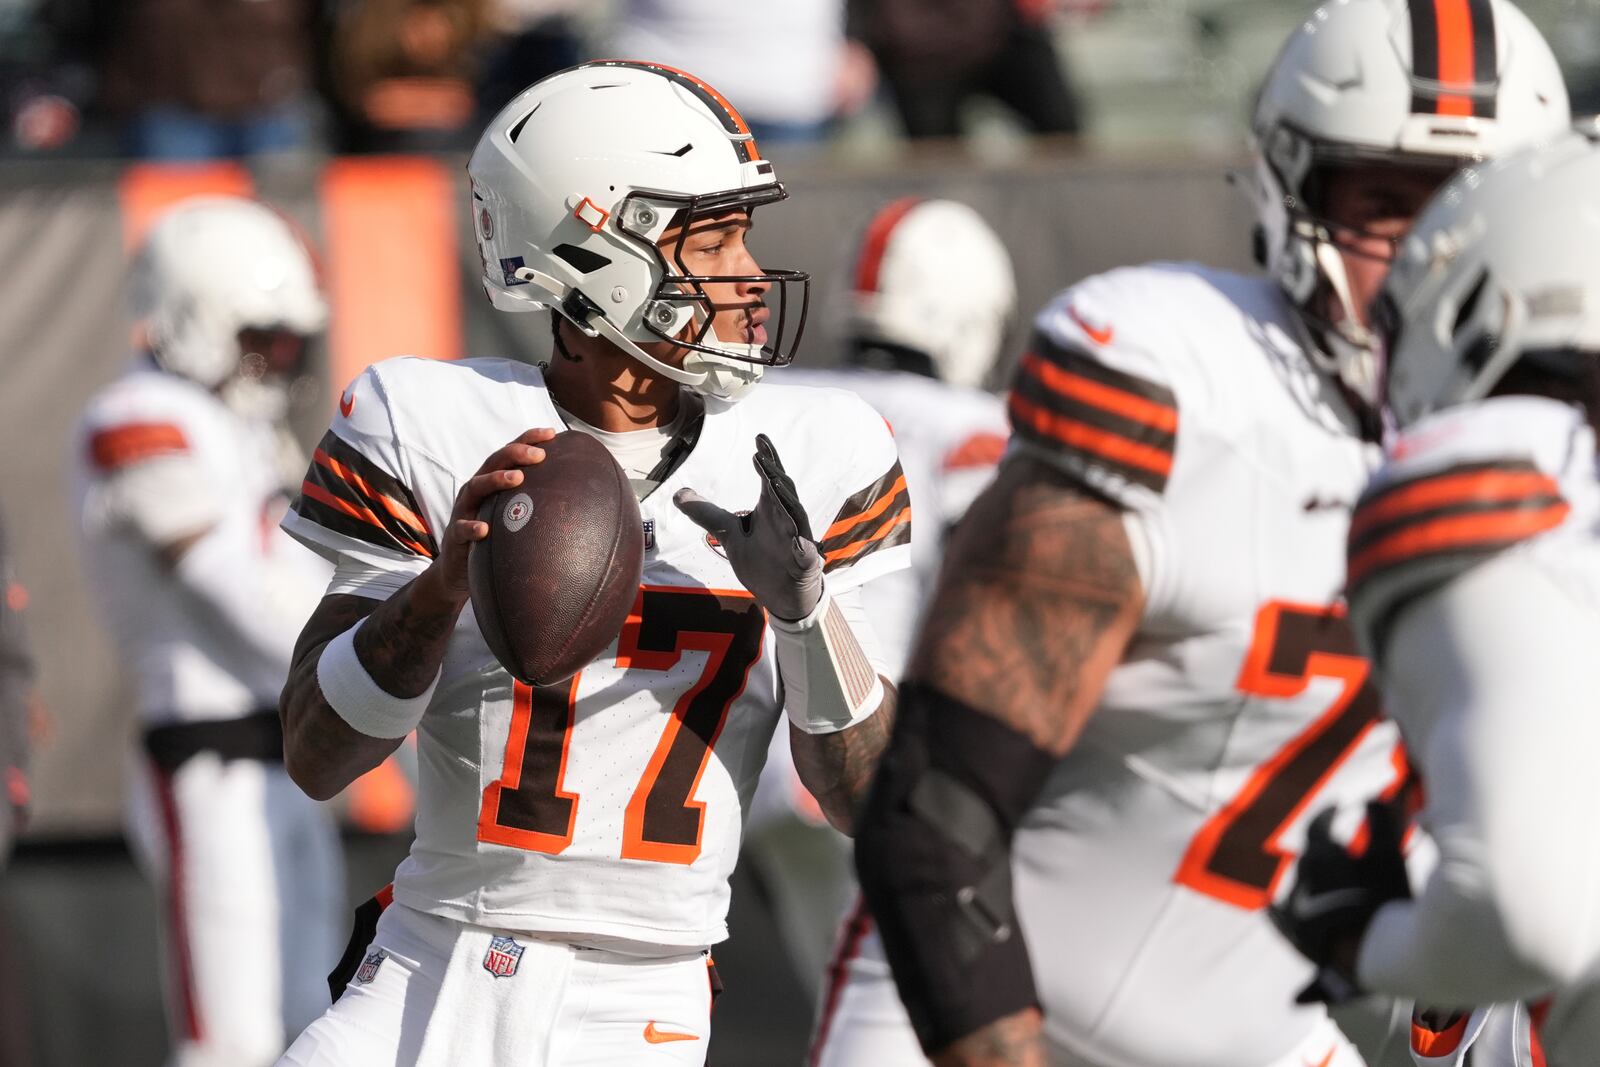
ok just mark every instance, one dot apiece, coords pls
pixel 1258 244
pixel 583 260
pixel 1470 303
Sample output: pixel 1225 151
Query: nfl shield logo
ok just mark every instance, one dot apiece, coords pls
pixel 369 966
pixel 649 535
pixel 503 956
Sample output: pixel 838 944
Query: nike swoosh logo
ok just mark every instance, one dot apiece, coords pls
pixel 1318 503
pixel 347 403
pixel 1323 903
pixel 1326 1059
pixel 1100 336
pixel 658 1037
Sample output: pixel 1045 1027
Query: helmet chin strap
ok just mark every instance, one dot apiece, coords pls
pixel 1353 361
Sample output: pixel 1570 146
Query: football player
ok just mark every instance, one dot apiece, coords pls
pixel 573 847
pixel 1135 678
pixel 918 349
pixel 180 482
pixel 1475 586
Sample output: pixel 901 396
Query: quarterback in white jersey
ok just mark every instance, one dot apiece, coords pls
pixel 1475 585
pixel 179 483
pixel 1136 684
pixel 592 826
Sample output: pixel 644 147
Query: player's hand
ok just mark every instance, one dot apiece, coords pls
pixel 771 548
pixel 496 473
pixel 1335 895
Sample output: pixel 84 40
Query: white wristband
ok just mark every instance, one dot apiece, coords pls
pixel 829 683
pixel 359 700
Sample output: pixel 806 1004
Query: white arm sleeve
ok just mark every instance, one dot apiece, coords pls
pixel 1499 673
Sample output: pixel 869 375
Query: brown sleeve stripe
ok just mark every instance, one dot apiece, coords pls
pixel 895 492
pixel 878 516
pixel 1466 512
pixel 349 494
pixel 134 442
pixel 1066 401
pixel 895 531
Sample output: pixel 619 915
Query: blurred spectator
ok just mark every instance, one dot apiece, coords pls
pixel 16 703
pixel 533 38
pixel 937 54
pixel 200 79
pixel 404 72
pixel 789 64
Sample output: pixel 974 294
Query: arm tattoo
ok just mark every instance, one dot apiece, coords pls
pixel 838 767
pixel 402 645
pixel 1036 601
pixel 1008 1042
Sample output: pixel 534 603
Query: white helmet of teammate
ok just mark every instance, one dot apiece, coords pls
pixel 933 278
pixel 1440 82
pixel 1503 266
pixel 576 180
pixel 216 274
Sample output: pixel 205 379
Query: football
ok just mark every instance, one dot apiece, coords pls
pixel 553 582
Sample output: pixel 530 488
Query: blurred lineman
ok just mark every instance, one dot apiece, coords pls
pixel 574 842
pixel 180 472
pixel 1135 682
pixel 1475 586
pixel 16 685
pixel 919 350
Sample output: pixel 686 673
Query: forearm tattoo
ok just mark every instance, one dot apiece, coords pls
pixel 837 768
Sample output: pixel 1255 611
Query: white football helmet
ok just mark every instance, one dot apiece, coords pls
pixel 931 278
pixel 575 181
pixel 1503 266
pixel 214 276
pixel 1429 82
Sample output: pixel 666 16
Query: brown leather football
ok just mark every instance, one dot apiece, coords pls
pixel 554 580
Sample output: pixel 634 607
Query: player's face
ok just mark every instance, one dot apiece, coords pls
pixel 716 247
pixel 1370 207
pixel 271 353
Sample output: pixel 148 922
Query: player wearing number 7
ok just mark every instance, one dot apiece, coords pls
pixel 570 869
pixel 1135 684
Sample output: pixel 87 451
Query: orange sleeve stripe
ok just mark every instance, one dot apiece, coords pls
pixel 120 446
pixel 1116 401
pixel 322 496
pixel 877 508
pixel 1426 1042
pixel 391 505
pixel 1461 531
pixel 979 450
pixel 1463 488
pixel 857 547
pixel 1087 438
pixel 385 896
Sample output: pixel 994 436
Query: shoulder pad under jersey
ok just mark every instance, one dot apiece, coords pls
pixel 1457 489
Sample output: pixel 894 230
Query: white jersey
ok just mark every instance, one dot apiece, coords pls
pixel 155 460
pixel 950 441
pixel 1241 707
pixel 1475 581
pixel 606 810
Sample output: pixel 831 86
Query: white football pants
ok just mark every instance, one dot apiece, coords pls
pixel 435 992
pixel 861 1022
pixel 249 882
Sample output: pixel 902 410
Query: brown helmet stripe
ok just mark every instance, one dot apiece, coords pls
pixel 720 105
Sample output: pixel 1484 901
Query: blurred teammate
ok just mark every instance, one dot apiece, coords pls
pixel 918 350
pixel 574 842
pixel 1135 678
pixel 179 484
pixel 1475 585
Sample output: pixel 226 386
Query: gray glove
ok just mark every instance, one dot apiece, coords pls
pixel 771 548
